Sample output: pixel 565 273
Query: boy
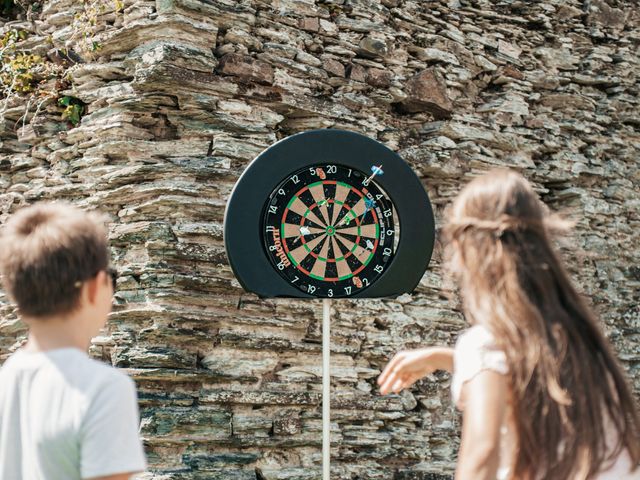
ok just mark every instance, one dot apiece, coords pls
pixel 63 415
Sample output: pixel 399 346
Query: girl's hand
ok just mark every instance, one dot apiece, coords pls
pixel 409 366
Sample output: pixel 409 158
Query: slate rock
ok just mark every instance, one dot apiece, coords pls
pixel 427 92
pixel 247 69
pixel 371 48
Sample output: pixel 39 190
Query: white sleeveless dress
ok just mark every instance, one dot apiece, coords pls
pixel 475 352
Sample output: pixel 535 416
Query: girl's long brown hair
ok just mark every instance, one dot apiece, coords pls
pixel 567 388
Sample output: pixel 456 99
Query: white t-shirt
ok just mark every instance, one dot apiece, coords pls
pixel 477 351
pixel 65 416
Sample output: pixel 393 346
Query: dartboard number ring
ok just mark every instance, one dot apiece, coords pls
pixel 330 230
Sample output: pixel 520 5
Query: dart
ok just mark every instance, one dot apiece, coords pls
pixel 347 218
pixel 369 204
pixel 375 171
pixel 304 230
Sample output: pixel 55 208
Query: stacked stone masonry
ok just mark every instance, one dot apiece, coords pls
pixel 182 94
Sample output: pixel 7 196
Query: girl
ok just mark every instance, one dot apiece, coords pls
pixel 542 393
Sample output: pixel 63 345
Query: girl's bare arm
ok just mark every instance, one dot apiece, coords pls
pixel 485 400
pixel 409 366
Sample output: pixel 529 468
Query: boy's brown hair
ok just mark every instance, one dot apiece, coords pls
pixel 45 250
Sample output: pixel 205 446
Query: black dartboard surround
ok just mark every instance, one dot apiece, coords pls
pixel 306 219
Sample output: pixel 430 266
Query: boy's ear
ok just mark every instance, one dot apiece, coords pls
pixel 91 287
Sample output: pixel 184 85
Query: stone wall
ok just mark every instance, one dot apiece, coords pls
pixel 179 95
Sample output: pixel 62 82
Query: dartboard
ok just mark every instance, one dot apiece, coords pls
pixel 329 229
pixel 318 214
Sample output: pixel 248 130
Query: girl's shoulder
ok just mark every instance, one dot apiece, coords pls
pixel 478 337
pixel 475 351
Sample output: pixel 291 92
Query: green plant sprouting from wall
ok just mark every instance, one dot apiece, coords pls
pixel 73 109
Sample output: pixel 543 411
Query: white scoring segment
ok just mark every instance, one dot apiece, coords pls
pixel 359 208
pixel 320 267
pixel 340 197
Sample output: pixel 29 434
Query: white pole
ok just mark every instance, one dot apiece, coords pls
pixel 326 389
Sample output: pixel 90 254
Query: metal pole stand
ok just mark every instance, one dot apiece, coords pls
pixel 326 389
